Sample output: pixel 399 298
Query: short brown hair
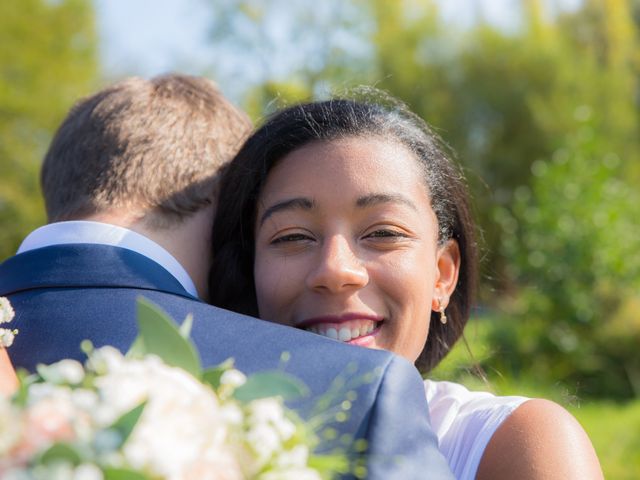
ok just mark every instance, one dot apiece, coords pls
pixel 154 144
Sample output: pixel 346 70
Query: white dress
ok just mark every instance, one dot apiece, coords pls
pixel 464 422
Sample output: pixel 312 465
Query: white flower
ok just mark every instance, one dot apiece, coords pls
pixel 85 399
pixel 232 414
pixel 270 410
pixel 43 391
pixel 6 337
pixel 70 371
pixel 267 431
pixel 105 359
pixel 87 471
pixel 297 457
pixel 181 425
pixel 230 380
pixel 6 311
pixel 264 442
pixel 233 378
pixel 65 371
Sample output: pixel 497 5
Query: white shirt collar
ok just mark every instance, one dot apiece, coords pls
pixel 106 234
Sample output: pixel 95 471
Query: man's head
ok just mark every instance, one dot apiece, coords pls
pixel 148 149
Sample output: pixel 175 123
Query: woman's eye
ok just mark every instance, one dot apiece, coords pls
pixel 290 237
pixel 385 233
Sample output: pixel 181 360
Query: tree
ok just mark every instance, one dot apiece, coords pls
pixel 573 241
pixel 48 59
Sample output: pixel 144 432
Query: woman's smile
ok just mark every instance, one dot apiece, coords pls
pixel 354 328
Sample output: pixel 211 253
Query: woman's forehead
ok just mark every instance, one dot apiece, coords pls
pixel 352 169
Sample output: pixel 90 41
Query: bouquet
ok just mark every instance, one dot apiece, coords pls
pixel 156 414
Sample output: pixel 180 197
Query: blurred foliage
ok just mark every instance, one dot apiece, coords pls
pixel 48 59
pixel 613 430
pixel 573 240
pixel 271 96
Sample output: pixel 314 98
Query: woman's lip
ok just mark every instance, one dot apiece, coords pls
pixel 345 317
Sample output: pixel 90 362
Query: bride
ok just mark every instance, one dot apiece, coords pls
pixel 347 219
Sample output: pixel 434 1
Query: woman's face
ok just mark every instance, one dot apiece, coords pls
pixel 346 245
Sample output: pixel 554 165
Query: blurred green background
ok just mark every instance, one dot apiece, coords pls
pixel 542 109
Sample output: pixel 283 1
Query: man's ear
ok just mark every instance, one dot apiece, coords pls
pixel 448 269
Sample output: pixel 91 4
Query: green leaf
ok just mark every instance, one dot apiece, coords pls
pixel 185 328
pixel 127 422
pixel 160 336
pixel 123 474
pixel 270 384
pixel 211 376
pixel 137 348
pixel 25 380
pixel 87 347
pixel 330 464
pixel 61 452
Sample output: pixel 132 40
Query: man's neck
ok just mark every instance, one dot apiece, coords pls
pixel 189 241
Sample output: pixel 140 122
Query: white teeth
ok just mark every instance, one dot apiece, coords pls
pixel 344 335
pixel 332 333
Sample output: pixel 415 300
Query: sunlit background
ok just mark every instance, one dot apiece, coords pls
pixel 540 99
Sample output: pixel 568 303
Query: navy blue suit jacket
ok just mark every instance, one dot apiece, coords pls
pixel 67 293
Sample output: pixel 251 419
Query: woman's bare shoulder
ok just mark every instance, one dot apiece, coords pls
pixel 540 440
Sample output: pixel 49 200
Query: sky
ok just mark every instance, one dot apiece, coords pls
pixel 144 37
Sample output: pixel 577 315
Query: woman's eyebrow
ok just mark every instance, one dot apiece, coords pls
pixel 298 203
pixel 377 198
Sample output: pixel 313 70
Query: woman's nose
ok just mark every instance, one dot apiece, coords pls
pixel 338 268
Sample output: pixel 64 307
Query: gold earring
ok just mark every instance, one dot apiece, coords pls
pixel 443 315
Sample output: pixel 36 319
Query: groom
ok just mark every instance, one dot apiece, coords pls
pixel 129 183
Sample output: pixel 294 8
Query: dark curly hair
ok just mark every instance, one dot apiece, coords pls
pixel 375 113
